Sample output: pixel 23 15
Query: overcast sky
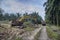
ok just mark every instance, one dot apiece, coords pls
pixel 21 6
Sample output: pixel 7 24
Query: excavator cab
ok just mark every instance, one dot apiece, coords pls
pixel 16 23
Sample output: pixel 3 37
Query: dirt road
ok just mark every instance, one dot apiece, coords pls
pixel 43 35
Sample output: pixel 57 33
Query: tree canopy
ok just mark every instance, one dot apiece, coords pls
pixel 52 8
pixel 34 16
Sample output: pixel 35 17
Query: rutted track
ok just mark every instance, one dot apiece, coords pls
pixel 43 34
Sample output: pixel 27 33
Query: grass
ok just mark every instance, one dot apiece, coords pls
pixel 6 22
pixel 58 38
pixel 29 28
pixel 19 39
pixel 37 35
pixel 53 35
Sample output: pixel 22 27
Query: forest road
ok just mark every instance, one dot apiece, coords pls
pixel 43 34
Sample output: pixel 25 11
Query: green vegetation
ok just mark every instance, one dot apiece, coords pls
pixel 38 35
pixel 53 35
pixel 58 38
pixel 52 8
pixel 29 28
pixel 52 12
pixel 7 16
pixel 27 23
pixel 18 38
pixel 14 16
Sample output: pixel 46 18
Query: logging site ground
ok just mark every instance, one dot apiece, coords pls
pixel 29 19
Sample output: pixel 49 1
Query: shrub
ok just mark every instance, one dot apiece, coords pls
pixel 28 24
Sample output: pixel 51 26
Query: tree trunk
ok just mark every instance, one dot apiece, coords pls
pixel 57 18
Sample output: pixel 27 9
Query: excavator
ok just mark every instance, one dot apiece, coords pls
pixel 20 21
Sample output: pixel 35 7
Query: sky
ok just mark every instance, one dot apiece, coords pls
pixel 22 6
